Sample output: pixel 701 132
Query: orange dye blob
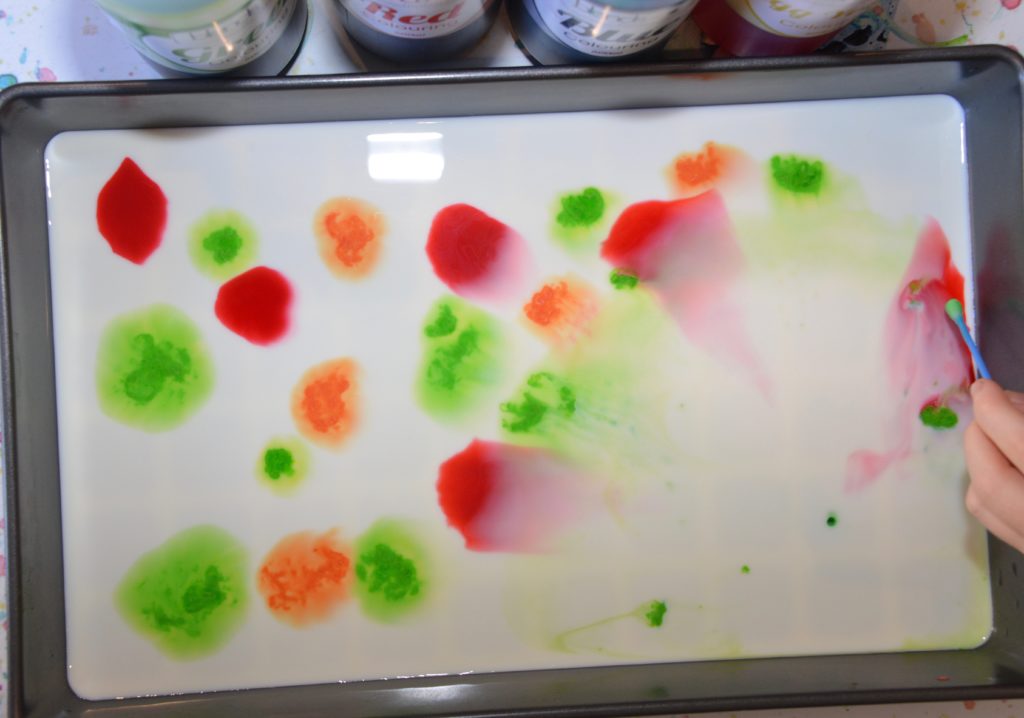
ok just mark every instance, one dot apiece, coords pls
pixel 560 311
pixel 305 577
pixel 694 172
pixel 348 233
pixel 325 402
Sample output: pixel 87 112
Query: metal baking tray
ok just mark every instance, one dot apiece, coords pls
pixel 985 81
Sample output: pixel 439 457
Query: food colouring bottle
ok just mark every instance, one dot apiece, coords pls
pixel 416 31
pixel 751 28
pixel 211 37
pixel 561 32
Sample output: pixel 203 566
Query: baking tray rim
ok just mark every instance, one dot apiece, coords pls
pixel 17 96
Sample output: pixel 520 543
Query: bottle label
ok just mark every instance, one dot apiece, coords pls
pixel 215 46
pixel 416 19
pixel 601 30
pixel 800 18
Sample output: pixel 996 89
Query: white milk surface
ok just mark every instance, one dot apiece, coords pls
pixel 749 482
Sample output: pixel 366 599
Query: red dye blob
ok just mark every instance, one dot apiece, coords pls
pixel 636 230
pixel 686 252
pixel 131 213
pixel 463 244
pixel 464 484
pixel 502 497
pixel 687 240
pixel 953 279
pixel 255 305
pixel 925 355
pixel 477 256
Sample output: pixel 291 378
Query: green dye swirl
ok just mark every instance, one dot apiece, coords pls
pixel 651 613
pixel 544 393
pixel 744 569
pixel 938 417
pixel 798 175
pixel 188 596
pixel 462 359
pixel 390 571
pixel 153 371
pixel 283 465
pixel 601 406
pixel 623 280
pixel 222 244
pixel 584 209
pixel 832 520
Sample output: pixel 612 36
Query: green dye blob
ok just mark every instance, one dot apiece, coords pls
pixel 390 571
pixel 938 417
pixel 283 465
pixel 584 209
pixel 798 175
pixel 543 393
pixel 444 323
pixel 462 359
pixel 832 520
pixel 222 244
pixel 744 568
pixel 655 613
pixel 153 371
pixel 188 595
pixel 623 280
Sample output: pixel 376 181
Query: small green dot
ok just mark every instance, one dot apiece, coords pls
pixel 278 462
pixel 798 175
pixel 744 568
pixel 938 417
pixel 623 280
pixel 222 244
pixel 655 613
pixel 832 520
pixel 283 465
pixel 581 210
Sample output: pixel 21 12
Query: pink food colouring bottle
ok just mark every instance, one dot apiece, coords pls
pixel 752 28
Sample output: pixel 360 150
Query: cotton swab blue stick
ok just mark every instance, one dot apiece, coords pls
pixel 955 310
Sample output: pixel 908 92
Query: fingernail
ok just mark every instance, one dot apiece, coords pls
pixel 977 386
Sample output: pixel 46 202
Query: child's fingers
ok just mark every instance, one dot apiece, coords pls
pixel 997 484
pixel 1000 419
pixel 992 522
pixel 1016 398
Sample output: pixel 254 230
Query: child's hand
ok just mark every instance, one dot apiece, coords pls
pixel 994 444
